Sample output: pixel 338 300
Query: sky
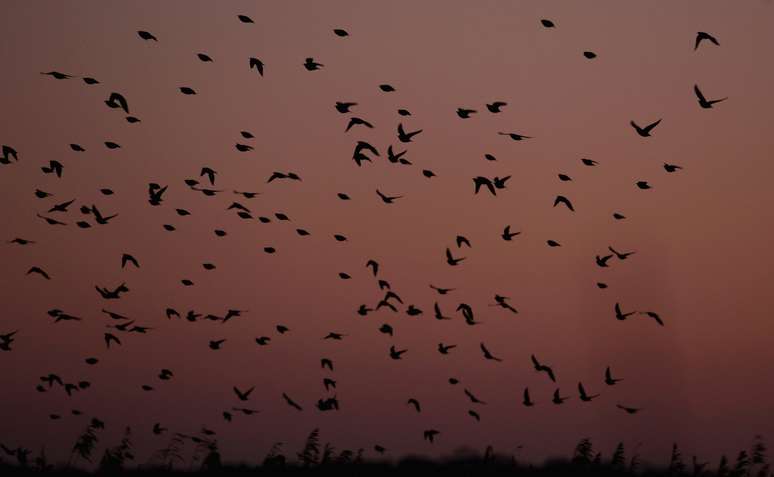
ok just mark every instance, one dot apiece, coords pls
pixel 701 234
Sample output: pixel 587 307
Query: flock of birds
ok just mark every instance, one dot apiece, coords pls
pixel 118 326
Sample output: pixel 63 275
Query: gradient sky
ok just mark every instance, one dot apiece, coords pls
pixel 702 235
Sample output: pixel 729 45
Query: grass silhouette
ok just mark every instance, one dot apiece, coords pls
pixel 317 458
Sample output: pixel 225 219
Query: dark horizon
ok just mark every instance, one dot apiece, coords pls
pixel 701 235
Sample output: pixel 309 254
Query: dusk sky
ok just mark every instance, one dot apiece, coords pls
pixel 702 234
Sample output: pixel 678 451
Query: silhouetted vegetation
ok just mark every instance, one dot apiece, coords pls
pixel 326 459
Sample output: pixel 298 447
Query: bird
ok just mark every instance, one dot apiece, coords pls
pixel 387 199
pixel 204 57
pixel 515 136
pixel 560 199
pixel 547 23
pixel 653 315
pixel 589 55
pixel 57 75
pixel 643 185
pixel 187 90
pixel 245 19
pixel 326 363
pixel 496 106
pixel 701 36
pixel 109 337
pixel 462 240
pixel 465 113
pixel 473 398
pixel 644 132
pixel 126 258
pixel 373 265
pixel 527 401
pixel 602 261
pixel 704 102
pixel 451 260
pixel 355 121
pixel 396 354
pixel 621 255
pixel 312 65
pixel 499 182
pixel 291 403
pixel 583 396
pixel 557 399
pixel 257 64
pixel 502 302
pixel 386 329
pixel 438 314
pixel 671 167
pixel 344 107
pixel 483 181
pixel 609 379
pixel 628 410
pixel 54 167
pixel 487 354
pixel 622 316
pixel 61 207
pixel 541 367
pixel 117 100
pixel 589 162
pixel 444 349
pixel 216 344
pixel 553 243
pixel 429 435
pixel 564 177
pixel 386 88
pixel 441 291
pixel 474 415
pixel 39 271
pixel 403 136
pixel 243 395
pixel 146 35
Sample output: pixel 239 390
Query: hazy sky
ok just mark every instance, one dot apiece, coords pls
pixel 702 235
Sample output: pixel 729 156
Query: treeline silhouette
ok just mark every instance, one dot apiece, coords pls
pixel 318 458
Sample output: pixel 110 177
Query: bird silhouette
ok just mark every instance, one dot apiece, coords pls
pixel 444 349
pixel 387 199
pixel 644 132
pixel 701 36
pixel 291 402
pixel 621 255
pixel 243 395
pixel 496 106
pixel 515 136
pixel 671 167
pixel 451 260
pixel 117 100
pixel 620 315
pixel 312 65
pixel 430 434
pixel 465 113
pixel 653 315
pixel 403 136
pixel 39 271
pixel 583 396
pixel 628 410
pixel 441 291
pixel 483 181
pixel 472 397
pixel 543 368
pixel 146 35
pixel 396 354
pixel 609 379
pixel 487 354
pixel 462 240
pixel 704 102
pixel 560 199
pixel 557 399
pixel 602 260
pixel 527 401
pixel 355 121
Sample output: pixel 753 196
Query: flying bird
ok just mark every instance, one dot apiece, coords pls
pixel 701 36
pixel 644 132
pixel 704 102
